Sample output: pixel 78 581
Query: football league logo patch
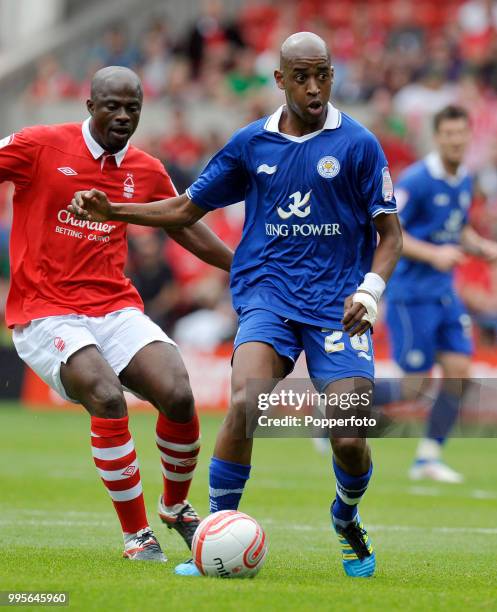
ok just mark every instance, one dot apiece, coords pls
pixel 328 167
pixel 387 185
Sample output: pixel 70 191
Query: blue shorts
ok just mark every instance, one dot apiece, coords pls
pixel 420 330
pixel 330 354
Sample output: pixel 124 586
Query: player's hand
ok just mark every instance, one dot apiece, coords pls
pixel 446 257
pixel 352 318
pixel 91 205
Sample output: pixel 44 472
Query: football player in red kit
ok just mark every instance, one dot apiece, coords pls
pixel 78 322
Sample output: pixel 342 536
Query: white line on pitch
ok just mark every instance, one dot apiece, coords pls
pixel 407 528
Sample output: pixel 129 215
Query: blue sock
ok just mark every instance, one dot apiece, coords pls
pixel 350 489
pixel 226 483
pixel 443 416
pixel 387 391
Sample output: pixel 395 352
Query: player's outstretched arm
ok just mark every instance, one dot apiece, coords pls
pixel 473 243
pixel 172 213
pixel 443 257
pixel 361 308
pixel 203 242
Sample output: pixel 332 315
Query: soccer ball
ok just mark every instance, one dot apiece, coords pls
pixel 229 544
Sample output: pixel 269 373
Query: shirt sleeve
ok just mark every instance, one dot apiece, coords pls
pixel 224 180
pixel 375 180
pixel 17 158
pixel 164 187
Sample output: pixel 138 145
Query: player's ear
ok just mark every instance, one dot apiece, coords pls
pixel 278 77
pixel 90 105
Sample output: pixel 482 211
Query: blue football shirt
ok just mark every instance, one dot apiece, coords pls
pixel 433 207
pixel 308 237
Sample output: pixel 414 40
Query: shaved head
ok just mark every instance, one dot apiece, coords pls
pixel 300 45
pixel 306 76
pixel 115 105
pixel 111 77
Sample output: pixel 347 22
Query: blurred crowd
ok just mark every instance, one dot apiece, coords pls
pixel 396 63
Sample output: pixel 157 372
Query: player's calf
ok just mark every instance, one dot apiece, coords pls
pixel 229 469
pixel 353 454
pixel 179 445
pixel 117 464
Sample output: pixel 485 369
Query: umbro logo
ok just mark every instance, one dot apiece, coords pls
pixel 67 171
pixel 129 471
pixel 189 461
pixel 266 169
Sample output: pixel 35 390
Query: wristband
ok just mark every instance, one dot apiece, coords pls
pixel 369 303
pixel 373 284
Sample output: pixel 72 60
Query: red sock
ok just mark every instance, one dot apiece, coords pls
pixel 179 445
pixel 115 457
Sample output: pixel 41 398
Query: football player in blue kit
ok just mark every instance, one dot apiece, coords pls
pixel 427 322
pixel 307 274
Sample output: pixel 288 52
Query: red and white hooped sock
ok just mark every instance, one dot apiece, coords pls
pixel 115 458
pixel 179 445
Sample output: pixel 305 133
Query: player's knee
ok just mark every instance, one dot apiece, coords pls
pixel 456 379
pixel 458 371
pixel 177 403
pixel 350 451
pixel 107 401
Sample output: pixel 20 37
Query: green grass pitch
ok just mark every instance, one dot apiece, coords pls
pixel 436 544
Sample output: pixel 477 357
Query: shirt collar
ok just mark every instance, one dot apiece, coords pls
pixel 436 169
pixel 333 121
pixel 96 150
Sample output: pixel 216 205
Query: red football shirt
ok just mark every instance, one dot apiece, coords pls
pixel 60 265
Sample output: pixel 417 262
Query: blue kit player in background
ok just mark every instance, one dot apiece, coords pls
pixel 427 322
pixel 306 275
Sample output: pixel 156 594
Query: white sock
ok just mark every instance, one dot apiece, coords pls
pixel 428 450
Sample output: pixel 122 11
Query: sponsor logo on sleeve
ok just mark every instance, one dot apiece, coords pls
pixel 387 185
